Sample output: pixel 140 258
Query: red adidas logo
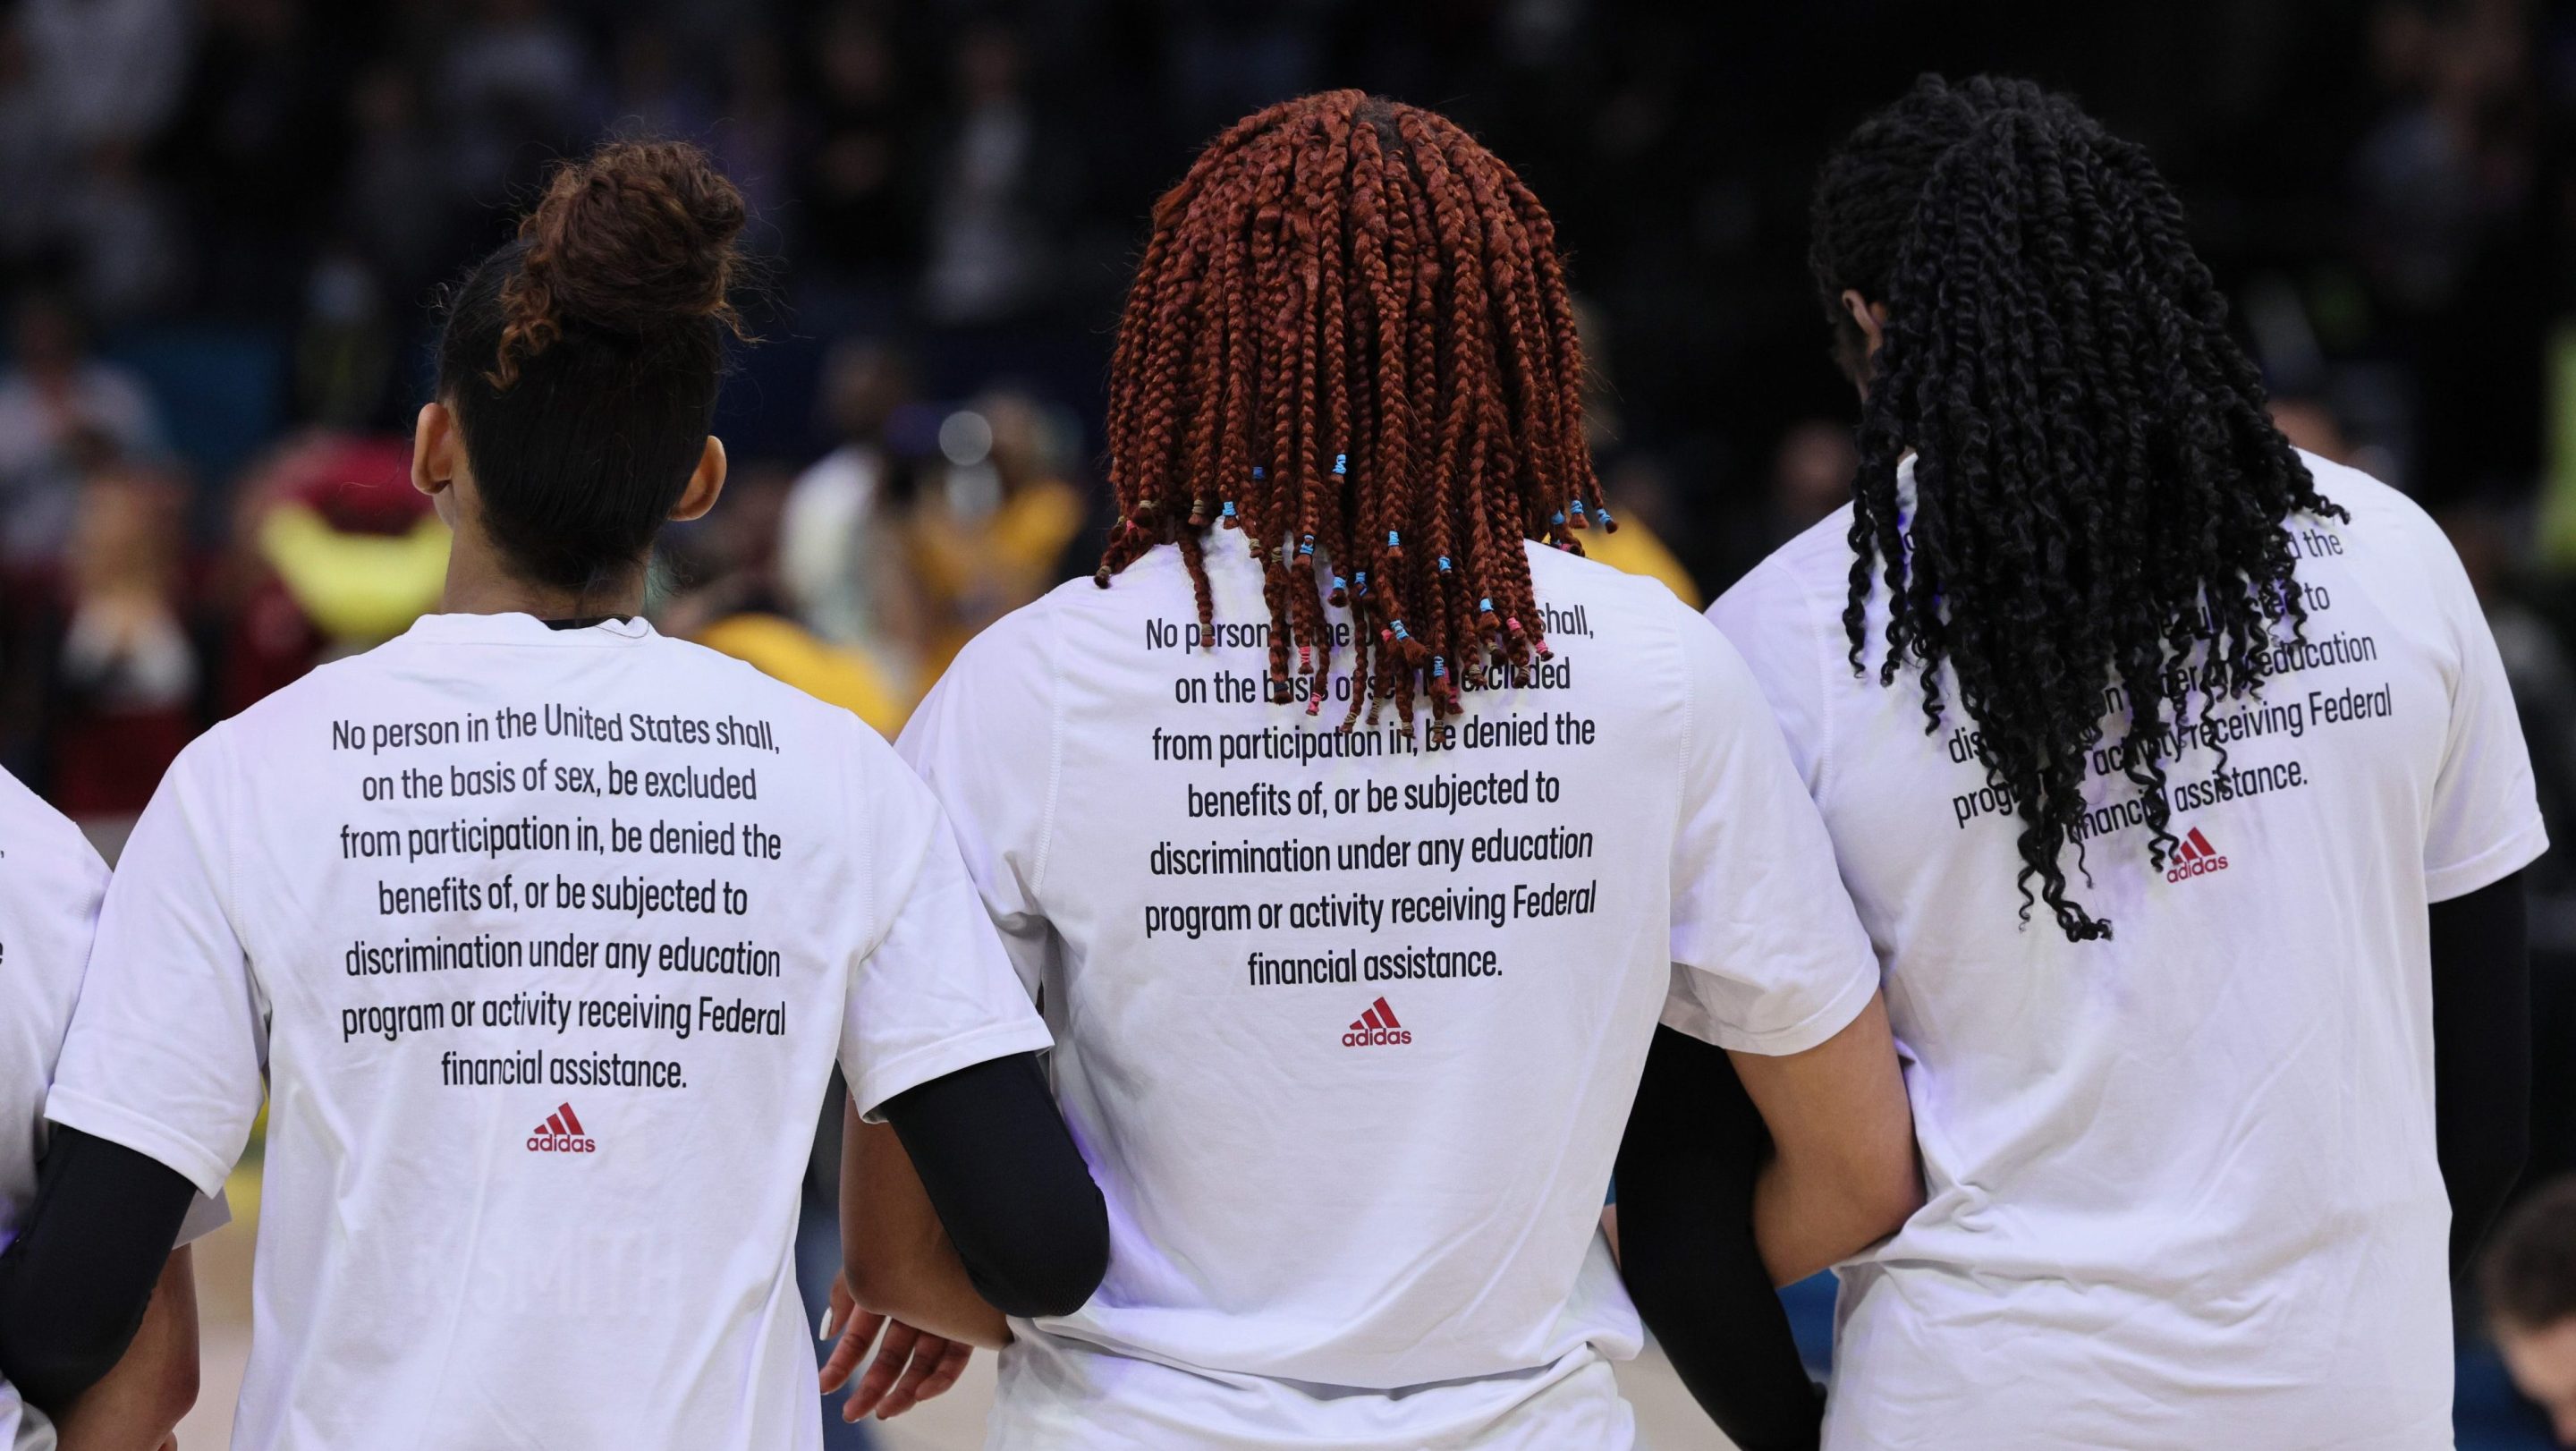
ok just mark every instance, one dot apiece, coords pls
pixel 562 1133
pixel 2194 858
pixel 1377 1028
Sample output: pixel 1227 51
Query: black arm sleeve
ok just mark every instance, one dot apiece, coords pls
pixel 1686 1247
pixel 75 1283
pixel 1010 1187
pixel 2481 1055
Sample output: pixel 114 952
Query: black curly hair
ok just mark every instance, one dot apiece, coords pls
pixel 2098 495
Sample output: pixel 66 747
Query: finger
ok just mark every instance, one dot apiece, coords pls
pixel 853 1344
pixel 905 1393
pixel 951 1366
pixel 839 1303
pixel 892 1354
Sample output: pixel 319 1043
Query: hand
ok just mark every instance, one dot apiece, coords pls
pixel 910 1366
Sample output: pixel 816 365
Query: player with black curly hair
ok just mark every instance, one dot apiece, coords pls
pixel 2175 776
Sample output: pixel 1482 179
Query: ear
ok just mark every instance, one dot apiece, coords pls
pixel 1870 317
pixel 437 449
pixel 706 481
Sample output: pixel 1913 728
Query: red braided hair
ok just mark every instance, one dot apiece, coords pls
pixel 1349 337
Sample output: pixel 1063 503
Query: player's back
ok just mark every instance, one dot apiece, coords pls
pixel 1349 1020
pixel 547 942
pixel 2181 1179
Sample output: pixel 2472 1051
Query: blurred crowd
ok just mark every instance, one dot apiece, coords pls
pixel 224 224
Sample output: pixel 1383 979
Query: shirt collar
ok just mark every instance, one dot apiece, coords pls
pixel 517 628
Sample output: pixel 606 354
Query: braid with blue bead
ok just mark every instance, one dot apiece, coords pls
pixel 1349 346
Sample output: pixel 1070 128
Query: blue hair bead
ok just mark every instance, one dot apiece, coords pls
pixel 1558 517
pixel 1228 510
pixel 1341 463
pixel 1307 546
pixel 1399 630
pixel 1340 584
pixel 1258 473
pixel 1484 607
pixel 1444 564
pixel 1393 539
pixel 1578 508
pixel 1439 666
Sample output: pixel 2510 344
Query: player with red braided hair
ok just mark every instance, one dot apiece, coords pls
pixel 1351 330
pixel 1357 832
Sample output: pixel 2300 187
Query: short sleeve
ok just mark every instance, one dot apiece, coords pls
pixel 51 883
pixel 2485 821
pixel 168 1048
pixel 985 742
pixel 935 992
pixel 1768 955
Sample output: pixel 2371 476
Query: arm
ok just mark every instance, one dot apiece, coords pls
pixel 2481 1054
pixel 895 1257
pixel 1686 1244
pixel 135 1406
pixel 974 1201
pixel 75 1283
pixel 1843 1175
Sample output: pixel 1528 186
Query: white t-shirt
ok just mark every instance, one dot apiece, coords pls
pixel 546 942
pixel 50 884
pixel 1349 1027
pixel 2183 1186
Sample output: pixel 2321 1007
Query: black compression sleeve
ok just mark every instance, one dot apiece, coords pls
pixel 1010 1187
pixel 1686 1247
pixel 2481 1054
pixel 75 1283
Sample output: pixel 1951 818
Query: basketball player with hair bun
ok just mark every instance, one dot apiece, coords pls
pixel 531 863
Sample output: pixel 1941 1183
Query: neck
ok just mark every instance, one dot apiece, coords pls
pixel 477 584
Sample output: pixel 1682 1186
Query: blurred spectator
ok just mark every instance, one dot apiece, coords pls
pixel 857 183
pixel 109 70
pixel 511 86
pixel 399 207
pixel 261 121
pixel 1811 476
pixel 993 536
pixel 729 603
pixel 656 95
pixel 56 404
pixel 1637 494
pixel 127 668
pixel 334 552
pixel 2529 1285
pixel 842 565
pixel 117 227
pixel 989 251
pixel 1636 487
pixel 2311 425
pixel 31 160
pixel 756 141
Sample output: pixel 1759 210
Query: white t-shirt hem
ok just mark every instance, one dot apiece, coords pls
pixel 2490 866
pixel 1836 1015
pixel 116 1124
pixel 882 1081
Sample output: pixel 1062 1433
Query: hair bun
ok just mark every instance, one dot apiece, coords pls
pixel 634 238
